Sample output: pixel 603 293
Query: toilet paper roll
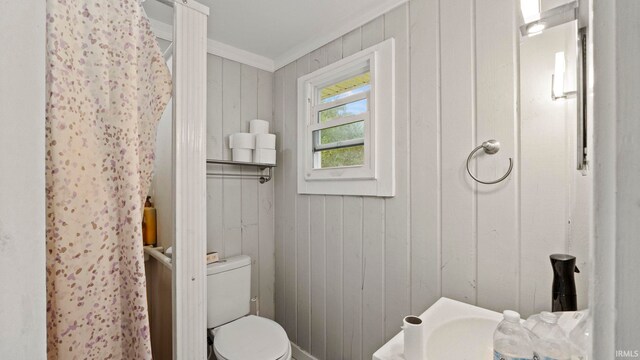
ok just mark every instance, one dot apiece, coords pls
pixel 259 126
pixel 242 141
pixel 265 141
pixel 242 155
pixel 414 341
pixel 264 156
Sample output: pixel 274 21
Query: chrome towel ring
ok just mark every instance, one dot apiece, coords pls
pixel 490 147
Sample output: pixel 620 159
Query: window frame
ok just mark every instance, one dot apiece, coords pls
pixel 376 177
pixel 364 171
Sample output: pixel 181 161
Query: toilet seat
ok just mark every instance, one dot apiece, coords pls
pixel 251 338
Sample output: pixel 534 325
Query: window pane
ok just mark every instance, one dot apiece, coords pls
pixel 354 85
pixel 352 108
pixel 351 156
pixel 345 132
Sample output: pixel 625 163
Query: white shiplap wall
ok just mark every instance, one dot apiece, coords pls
pixel 240 211
pixel 349 268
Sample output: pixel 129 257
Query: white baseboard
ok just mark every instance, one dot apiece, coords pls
pixel 300 354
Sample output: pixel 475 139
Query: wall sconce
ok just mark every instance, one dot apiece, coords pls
pixel 535 23
pixel 530 13
pixel 557 79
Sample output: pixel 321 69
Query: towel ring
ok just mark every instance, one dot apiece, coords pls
pixel 490 147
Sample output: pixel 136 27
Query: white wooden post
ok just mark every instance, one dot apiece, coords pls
pixel 616 249
pixel 189 141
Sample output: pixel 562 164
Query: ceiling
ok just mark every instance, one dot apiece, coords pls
pixel 280 30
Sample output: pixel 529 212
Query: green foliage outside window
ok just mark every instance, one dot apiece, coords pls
pixel 346 156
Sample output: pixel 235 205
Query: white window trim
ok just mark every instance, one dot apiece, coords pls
pixel 377 176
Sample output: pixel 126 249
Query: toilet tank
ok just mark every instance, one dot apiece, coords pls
pixel 228 290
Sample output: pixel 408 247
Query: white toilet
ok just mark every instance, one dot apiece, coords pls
pixel 237 336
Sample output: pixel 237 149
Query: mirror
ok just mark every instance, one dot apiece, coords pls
pixel 556 200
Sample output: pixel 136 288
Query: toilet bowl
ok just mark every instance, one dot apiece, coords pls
pixel 236 334
pixel 251 338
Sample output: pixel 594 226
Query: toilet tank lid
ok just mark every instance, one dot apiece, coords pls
pixel 227 264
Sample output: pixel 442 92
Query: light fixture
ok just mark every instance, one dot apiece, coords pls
pixel 535 28
pixel 530 10
pixel 535 23
pixel 557 79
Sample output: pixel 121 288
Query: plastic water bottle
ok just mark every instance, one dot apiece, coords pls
pixel 549 340
pixel 510 340
pixel 580 338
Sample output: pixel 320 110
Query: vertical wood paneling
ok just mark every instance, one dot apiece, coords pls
pixel 266 207
pixel 373 241
pixel 334 51
pixel 456 86
pixel 215 146
pixel 352 42
pixel 372 32
pixel 458 125
pixel 303 251
pixel 231 123
pixel 241 221
pixel 318 281
pixel 498 237
pixel 333 236
pixel 289 201
pixel 318 59
pixel 334 228
pixel 352 278
pixel 249 186
pixel 425 165
pixel 373 283
pixel 397 247
pixel 279 190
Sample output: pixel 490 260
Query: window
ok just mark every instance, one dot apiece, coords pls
pixel 346 126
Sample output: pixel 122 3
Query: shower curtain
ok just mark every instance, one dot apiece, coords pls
pixel 107 87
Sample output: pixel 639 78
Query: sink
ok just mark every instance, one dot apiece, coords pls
pixel 448 324
pixel 444 341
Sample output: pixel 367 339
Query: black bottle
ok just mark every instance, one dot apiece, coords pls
pixel 563 296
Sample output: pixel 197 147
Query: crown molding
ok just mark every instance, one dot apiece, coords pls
pixel 165 31
pixel 331 34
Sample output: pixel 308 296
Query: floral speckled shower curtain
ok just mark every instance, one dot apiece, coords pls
pixel 107 87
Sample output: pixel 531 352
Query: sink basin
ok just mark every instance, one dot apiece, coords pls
pixel 444 341
pixel 453 330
